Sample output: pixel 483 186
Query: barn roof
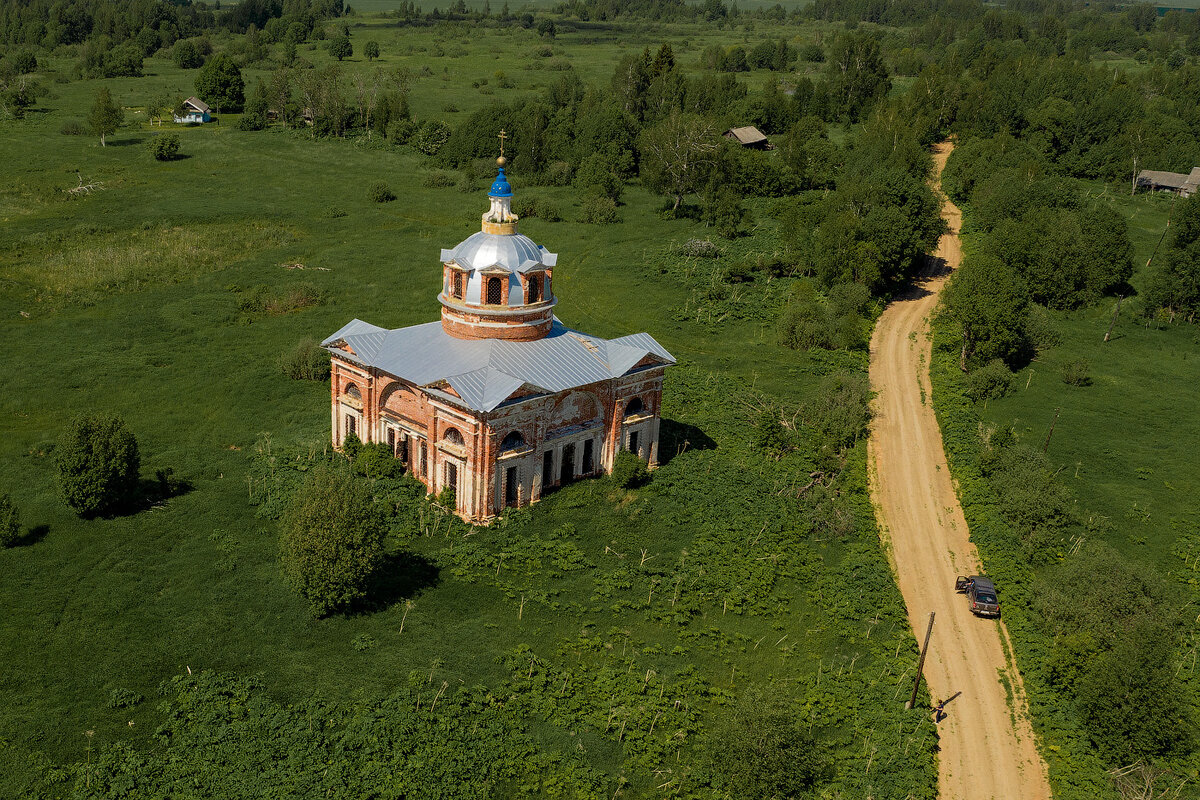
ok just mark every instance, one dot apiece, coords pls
pixel 486 372
pixel 197 104
pixel 747 134
pixel 1169 180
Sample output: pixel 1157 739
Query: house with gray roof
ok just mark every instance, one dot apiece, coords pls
pixel 1185 184
pixel 499 401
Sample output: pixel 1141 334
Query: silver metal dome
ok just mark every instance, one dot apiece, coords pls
pixel 511 252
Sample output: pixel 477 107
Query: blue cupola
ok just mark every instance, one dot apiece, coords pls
pixel 500 187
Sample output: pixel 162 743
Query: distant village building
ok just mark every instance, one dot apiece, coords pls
pixel 499 400
pixel 193 110
pixel 749 136
pixel 1183 184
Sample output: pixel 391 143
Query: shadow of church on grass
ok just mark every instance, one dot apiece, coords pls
pixel 676 438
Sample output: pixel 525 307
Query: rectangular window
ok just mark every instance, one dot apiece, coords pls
pixel 589 465
pixel 456 289
pixel 535 288
pixel 633 444
pixel 351 425
pixel 493 291
pixel 567 473
pixel 452 475
pixel 402 450
pixel 547 469
pixel 424 459
pixel 391 439
pixel 511 485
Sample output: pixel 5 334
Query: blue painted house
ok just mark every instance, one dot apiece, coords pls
pixel 193 110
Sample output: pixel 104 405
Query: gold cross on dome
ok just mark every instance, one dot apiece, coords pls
pixel 502 137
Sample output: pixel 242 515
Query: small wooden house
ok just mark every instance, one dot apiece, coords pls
pixel 193 110
pixel 1182 184
pixel 749 136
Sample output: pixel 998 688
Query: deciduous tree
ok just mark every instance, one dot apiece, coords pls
pixel 988 301
pixel 220 84
pixel 105 116
pixel 98 462
pixel 331 540
pixel 677 154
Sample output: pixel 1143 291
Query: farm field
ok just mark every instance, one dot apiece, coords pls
pixel 704 590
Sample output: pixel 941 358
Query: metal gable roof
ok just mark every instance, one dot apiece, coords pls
pixel 486 372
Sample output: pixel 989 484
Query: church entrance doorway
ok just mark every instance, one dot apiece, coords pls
pixel 567 473
pixel 510 486
pixel 589 465
pixel 452 476
pixel 547 469
pixel 633 444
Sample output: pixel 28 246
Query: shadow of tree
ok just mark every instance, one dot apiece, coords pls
pixel 675 438
pixel 32 536
pixel 401 576
pixel 150 493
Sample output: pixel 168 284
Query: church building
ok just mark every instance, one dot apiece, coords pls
pixel 498 401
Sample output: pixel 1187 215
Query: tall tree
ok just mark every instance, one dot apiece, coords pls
pixel 989 302
pixel 106 116
pixel 677 154
pixel 220 83
pixel 1173 285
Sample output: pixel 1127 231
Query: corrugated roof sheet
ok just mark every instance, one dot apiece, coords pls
pixel 747 134
pixel 486 372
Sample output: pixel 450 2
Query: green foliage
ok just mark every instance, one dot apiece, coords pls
pixel 770 435
pixel 1077 372
pixel 165 147
pixel 430 136
pixel 105 116
pixel 629 471
pixel 10 522
pixel 307 361
pixel 835 324
pixel 186 55
pixel 839 410
pixel 994 379
pixel 98 462
pixel 219 83
pixel 371 50
pixel 1173 284
pixel 380 192
pixel 331 540
pixel 340 47
pixel 857 74
pixel 764 751
pixel 989 304
pixel 597 209
pixel 277 300
pixel 124 698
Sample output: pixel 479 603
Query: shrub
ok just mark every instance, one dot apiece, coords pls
pixel 307 361
pixel 380 193
pixel 281 300
pixel 1040 331
pixel 165 147
pixel 331 540
pixel 557 173
pixel 629 471
pixel 699 248
pixel 538 207
pixel 10 522
pixel 840 409
pixel 335 212
pixel 376 460
pixel 98 462
pixel 399 131
pixel 124 698
pixel 438 179
pixel 430 136
pixel 1077 372
pixel 598 210
pixel 993 380
pixel 252 121
pixel 74 127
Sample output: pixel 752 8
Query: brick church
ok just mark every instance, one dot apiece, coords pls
pixel 499 400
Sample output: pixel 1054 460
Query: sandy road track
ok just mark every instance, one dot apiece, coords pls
pixel 987 745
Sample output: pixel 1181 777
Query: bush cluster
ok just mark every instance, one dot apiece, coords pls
pixel 98 464
pixel 165 147
pixel 307 361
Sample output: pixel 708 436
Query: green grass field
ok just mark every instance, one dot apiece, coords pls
pixel 1127 442
pixel 128 300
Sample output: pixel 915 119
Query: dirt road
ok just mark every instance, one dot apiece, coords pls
pixel 987 745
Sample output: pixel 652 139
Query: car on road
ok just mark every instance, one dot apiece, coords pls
pixel 981 593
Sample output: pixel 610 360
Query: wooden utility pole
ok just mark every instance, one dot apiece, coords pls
pixel 1046 446
pixel 1108 332
pixel 912 701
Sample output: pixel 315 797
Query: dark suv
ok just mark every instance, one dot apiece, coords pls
pixel 981 593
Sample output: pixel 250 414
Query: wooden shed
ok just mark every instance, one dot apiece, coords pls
pixel 749 136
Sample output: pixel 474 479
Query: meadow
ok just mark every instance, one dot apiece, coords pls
pixel 132 299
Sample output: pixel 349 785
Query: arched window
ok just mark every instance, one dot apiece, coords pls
pixel 493 291
pixel 534 285
pixel 634 407
pixel 456 284
pixel 514 441
pixel 352 391
pixel 452 436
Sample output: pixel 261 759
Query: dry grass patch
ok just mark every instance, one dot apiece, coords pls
pixel 81 265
